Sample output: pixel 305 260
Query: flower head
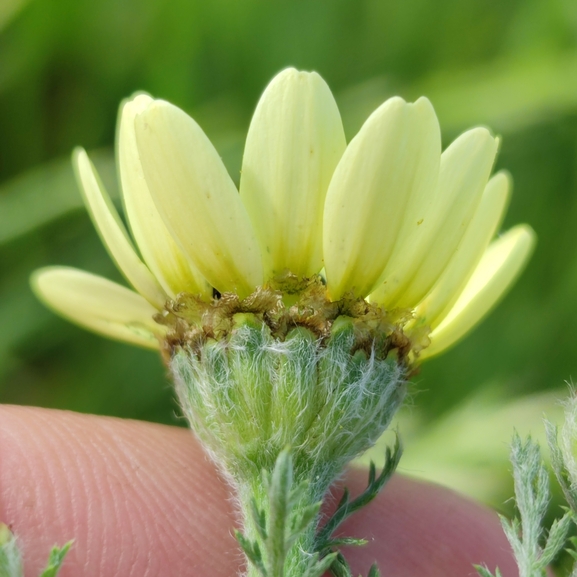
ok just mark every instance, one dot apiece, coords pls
pixel 390 218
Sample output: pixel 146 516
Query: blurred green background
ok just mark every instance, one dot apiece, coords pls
pixel 509 64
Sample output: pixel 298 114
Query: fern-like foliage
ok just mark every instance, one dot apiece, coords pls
pixel 533 549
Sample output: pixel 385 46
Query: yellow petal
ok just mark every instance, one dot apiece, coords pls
pixel 113 233
pixel 384 176
pixel 465 168
pixel 197 199
pixel 159 250
pixel 294 143
pixel 98 304
pixel 500 265
pixel 481 230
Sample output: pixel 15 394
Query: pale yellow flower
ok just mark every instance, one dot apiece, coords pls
pixel 389 217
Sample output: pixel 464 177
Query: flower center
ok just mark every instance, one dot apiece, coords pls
pixel 284 304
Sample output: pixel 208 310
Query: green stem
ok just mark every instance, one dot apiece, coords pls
pixel 280 511
pixel 293 562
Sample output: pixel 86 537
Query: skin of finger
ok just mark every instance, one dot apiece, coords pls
pixel 143 500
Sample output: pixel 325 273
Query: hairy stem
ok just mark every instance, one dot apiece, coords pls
pixel 294 561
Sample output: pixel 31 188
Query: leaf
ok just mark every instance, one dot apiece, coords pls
pixel 346 542
pixel 346 507
pixel 374 571
pixel 252 551
pixel 279 507
pixel 10 556
pixel 573 541
pixel 375 484
pixel 556 539
pixel 55 560
pixel 316 567
pixel 304 519
pixel 484 572
pixel 340 567
pixel 259 517
pixel 558 463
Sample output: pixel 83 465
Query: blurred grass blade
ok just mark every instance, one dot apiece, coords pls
pixel 45 194
pixel 9 9
pixel 507 95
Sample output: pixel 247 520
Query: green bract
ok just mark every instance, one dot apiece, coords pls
pixel 250 396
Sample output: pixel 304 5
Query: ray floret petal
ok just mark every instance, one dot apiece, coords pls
pixel 112 231
pixel 159 250
pixel 502 262
pixel 479 233
pixel 381 187
pixel 197 199
pixel 98 304
pixel 464 170
pixel 294 143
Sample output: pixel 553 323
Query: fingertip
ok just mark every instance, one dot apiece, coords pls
pixel 419 528
pixel 143 500
pixel 138 499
